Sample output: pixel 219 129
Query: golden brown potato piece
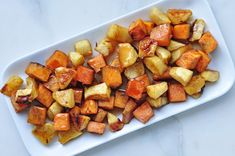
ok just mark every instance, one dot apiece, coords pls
pixel 119 33
pixel 157 103
pixel 208 42
pixel 147 47
pixel 156 90
pixel 80 122
pixel 107 104
pixel 32 84
pixel 62 122
pixel 98 92
pixel 210 75
pixel 64 76
pixel 114 123
pixel 127 54
pixel 181 31
pixel 163 54
pixel 101 114
pixel 89 107
pixel 97 63
pixel 178 16
pixel 37 115
pixel 134 70
pixel 106 46
pixel 66 136
pixel 76 58
pixel 155 65
pixel 189 59
pixel 181 75
pixel 176 93
pixel 158 17
pixel 13 83
pixel 203 62
pixel 96 127
pixel 195 85
pixel 116 63
pixel 165 76
pixel 149 25
pixel 65 97
pixel 176 54
pixel 198 28
pixel 54 109
pixel 52 84
pixel 83 47
pixel 127 113
pixel 111 76
pixel 174 45
pixel 144 112
pixel 120 99
pixel 19 107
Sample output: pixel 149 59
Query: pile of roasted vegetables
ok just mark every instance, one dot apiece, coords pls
pixel 155 62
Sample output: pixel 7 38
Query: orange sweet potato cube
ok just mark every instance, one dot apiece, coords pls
pixel 162 34
pixel 97 63
pixel 144 79
pixel 44 96
pixel 116 63
pixel 181 31
pixel 149 26
pixel 38 71
pixel 111 76
pixel 127 113
pixel 52 83
pixel 189 59
pixel 75 111
pixel 101 114
pixel 144 112
pixel 89 107
pixel 137 30
pixel 176 93
pixel 203 62
pixel 135 89
pixel 96 127
pixel 57 59
pixel 78 93
pixel 208 42
pixel 107 104
pixel 37 115
pixel 19 107
pixel 62 122
pixel 85 75
pixel 120 99
pixel 165 76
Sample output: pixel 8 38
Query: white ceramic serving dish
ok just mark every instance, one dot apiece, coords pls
pixel 221 61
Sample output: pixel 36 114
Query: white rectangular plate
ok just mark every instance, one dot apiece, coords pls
pixel 221 61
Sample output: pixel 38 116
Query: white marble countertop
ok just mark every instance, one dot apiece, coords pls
pixel 27 25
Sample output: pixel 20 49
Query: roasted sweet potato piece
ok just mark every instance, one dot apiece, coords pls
pixel 52 83
pixel 144 112
pixel 149 26
pixel 145 80
pixel 64 76
pixel 116 63
pixel 178 16
pixel 176 92
pixel 111 76
pixel 203 62
pixel 137 30
pixel 165 76
pixel 38 71
pixel 135 89
pixel 189 59
pixel 101 114
pixel 84 75
pixel 208 42
pixel 44 96
pixel 96 127
pixel 89 107
pixel 120 99
pixel 176 54
pixel 181 31
pixel 57 59
pixel 37 115
pixel 114 123
pixel 147 47
pixel 79 121
pixel 13 83
pixel 19 107
pixel 107 104
pixel 162 34
pixel 97 63
pixel 78 93
pixel 127 113
pixel 62 122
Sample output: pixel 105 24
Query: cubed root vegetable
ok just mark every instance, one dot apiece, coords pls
pixel 119 33
pixel 19 107
pixel 65 97
pixel 158 17
pixel 111 76
pixel 144 112
pixel 203 62
pixel 37 115
pixel 176 93
pixel 181 75
pixel 64 76
pixel 210 75
pixel 107 104
pixel 156 90
pixel 144 79
pixel 52 83
pixel 101 114
pixel 44 96
pixel 195 85
pixel 127 54
pixel 62 122
pixel 54 109
pixel 83 47
pixel 89 107
pixel 165 76
pixel 66 136
pixel 162 34
pixel 137 30
pixel 98 92
pixel 198 28
pixel 97 63
pixel 189 60
pixel 147 47
pixel 120 99
pixel 106 46
pixel 13 83
pixel 78 94
pixel 135 89
pixel 127 113
pixel 208 42
pixel 57 59
pixel 149 26
pixel 134 70
pixel 159 102
pixel 114 123
pixel 181 31
pixel 155 65
pixel 178 16
pixel 96 127
pixel 84 75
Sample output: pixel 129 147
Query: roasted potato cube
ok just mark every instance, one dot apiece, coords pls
pixel 98 92
pixel 97 63
pixel 157 103
pixel 44 96
pixel 75 111
pixel 137 30
pixel 163 54
pixel 127 113
pixel 176 93
pixel 147 47
pixel 210 75
pixel 158 17
pixel 175 45
pixel 162 34
pixel 144 79
pixel 96 127
pixel 120 99
pixel 178 16
pixel 19 107
pixel 198 28
pixel 52 84
pixel 195 85
pixel 189 59
pixel 116 63
pixel 165 76
pixel 203 62
pixel 149 26
pixel 176 54
pixel 65 97
pixel 144 112
pixel 32 84
pixel 127 54
pixel 37 115
pixel 44 133
pixel 107 104
pixel 38 71
pixel 156 90
pixel 78 93
pixel 13 83
pixel 155 65
pixel 106 46
pixel 62 122
pixel 134 70
pixel 64 76
pixel 101 114
pixel 181 31
pixel 181 75
pixel 83 47
pixel 79 121
pixel 114 123
pixel 89 107
pixel 135 89
pixel 84 75
pixel 119 33
pixel 66 136
pixel 196 95
pixel 22 95
pixel 57 59
pixel 54 109
pixel 208 42
pixel 76 58
pixel 111 76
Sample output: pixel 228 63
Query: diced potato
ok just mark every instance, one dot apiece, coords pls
pixel 158 17
pixel 163 54
pixel 52 84
pixel 198 28
pixel 44 96
pixel 144 112
pixel 64 76
pixel 85 75
pixel 80 122
pixel 181 75
pixel 96 127
pixel 157 103
pixel 135 89
pixel 98 92
pixel 195 85
pixel 127 113
pixel 137 30
pixel 76 58
pixel 162 34
pixel 176 54
pixel 175 45
pixel 38 71
pixel 144 79
pixel 44 133
pixel 13 83
pixel 107 104
pixel 155 65
pixel 75 111
pixel 120 99
pixel 119 33
pixel 149 26
pixel 189 59
pixel 208 42
pixel 147 47
pixel 54 109
pixel 101 114
pixel 111 76
pixel 97 63
pixel 57 59
pixel 65 98
pixel 165 76
pixel 181 31
pixel 134 70
pixel 22 95
pixel 114 123
pixel 127 54
pixel 66 136
pixel 156 90
pixel 83 47
pixel 176 93
pixel 89 107
pixel 178 16
pixel 32 84
pixel 196 95
pixel 210 75
pixel 19 107
pixel 62 122
pixel 116 63
pixel 78 94
pixel 203 62
pixel 37 115
pixel 106 46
